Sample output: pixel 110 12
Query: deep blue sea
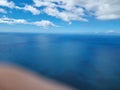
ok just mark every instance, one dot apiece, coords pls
pixel 87 62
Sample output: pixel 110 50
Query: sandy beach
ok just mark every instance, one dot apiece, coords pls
pixel 14 78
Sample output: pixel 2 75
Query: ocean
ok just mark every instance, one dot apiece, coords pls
pixel 84 61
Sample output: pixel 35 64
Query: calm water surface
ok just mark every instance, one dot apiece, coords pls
pixel 87 62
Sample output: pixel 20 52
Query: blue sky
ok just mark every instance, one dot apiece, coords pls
pixel 74 16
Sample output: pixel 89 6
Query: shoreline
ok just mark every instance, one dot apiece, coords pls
pixel 15 78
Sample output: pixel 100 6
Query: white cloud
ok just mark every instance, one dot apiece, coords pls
pixel 6 20
pixel 40 3
pixel 43 23
pixel 70 10
pixel 67 10
pixel 111 31
pixel 29 8
pixel 32 9
pixel 104 9
pixel 3 11
pixel 67 16
pixel 11 4
pixel 75 9
pixel 6 3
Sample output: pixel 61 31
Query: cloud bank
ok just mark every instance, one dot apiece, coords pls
pixel 69 10
pixel 66 10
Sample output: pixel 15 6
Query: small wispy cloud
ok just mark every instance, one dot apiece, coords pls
pixel 3 11
pixel 113 32
pixel 7 20
pixel 6 3
pixel 29 8
pixel 107 32
pixel 42 23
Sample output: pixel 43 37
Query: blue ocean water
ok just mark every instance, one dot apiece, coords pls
pixel 87 62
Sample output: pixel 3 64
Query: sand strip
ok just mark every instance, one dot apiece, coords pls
pixel 14 78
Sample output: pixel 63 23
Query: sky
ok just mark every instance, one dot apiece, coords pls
pixel 60 16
